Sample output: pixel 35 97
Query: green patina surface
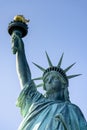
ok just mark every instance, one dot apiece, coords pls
pixel 54 111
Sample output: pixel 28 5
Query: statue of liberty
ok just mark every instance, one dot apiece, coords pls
pixel 54 110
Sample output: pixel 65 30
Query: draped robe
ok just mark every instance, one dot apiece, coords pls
pixel 41 113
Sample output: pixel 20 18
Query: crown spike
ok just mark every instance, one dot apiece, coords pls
pixel 39 78
pixel 39 85
pixel 49 61
pixel 72 76
pixel 42 69
pixel 60 61
pixel 69 67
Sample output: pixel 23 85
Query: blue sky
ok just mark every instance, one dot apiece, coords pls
pixel 56 26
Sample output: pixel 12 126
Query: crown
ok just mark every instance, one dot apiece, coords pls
pixel 58 69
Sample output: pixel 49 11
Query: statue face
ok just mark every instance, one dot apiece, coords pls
pixel 52 82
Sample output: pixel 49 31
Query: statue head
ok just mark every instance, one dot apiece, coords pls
pixel 53 81
pixel 54 77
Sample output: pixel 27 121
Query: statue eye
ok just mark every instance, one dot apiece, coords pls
pixel 55 78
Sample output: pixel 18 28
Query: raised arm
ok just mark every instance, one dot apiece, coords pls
pixel 22 67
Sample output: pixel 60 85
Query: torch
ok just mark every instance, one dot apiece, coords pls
pixel 18 26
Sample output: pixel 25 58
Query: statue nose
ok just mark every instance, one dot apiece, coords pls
pixel 50 79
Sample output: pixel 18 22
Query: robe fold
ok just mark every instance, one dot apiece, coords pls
pixel 41 113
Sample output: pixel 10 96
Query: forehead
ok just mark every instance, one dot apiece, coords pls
pixel 51 73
